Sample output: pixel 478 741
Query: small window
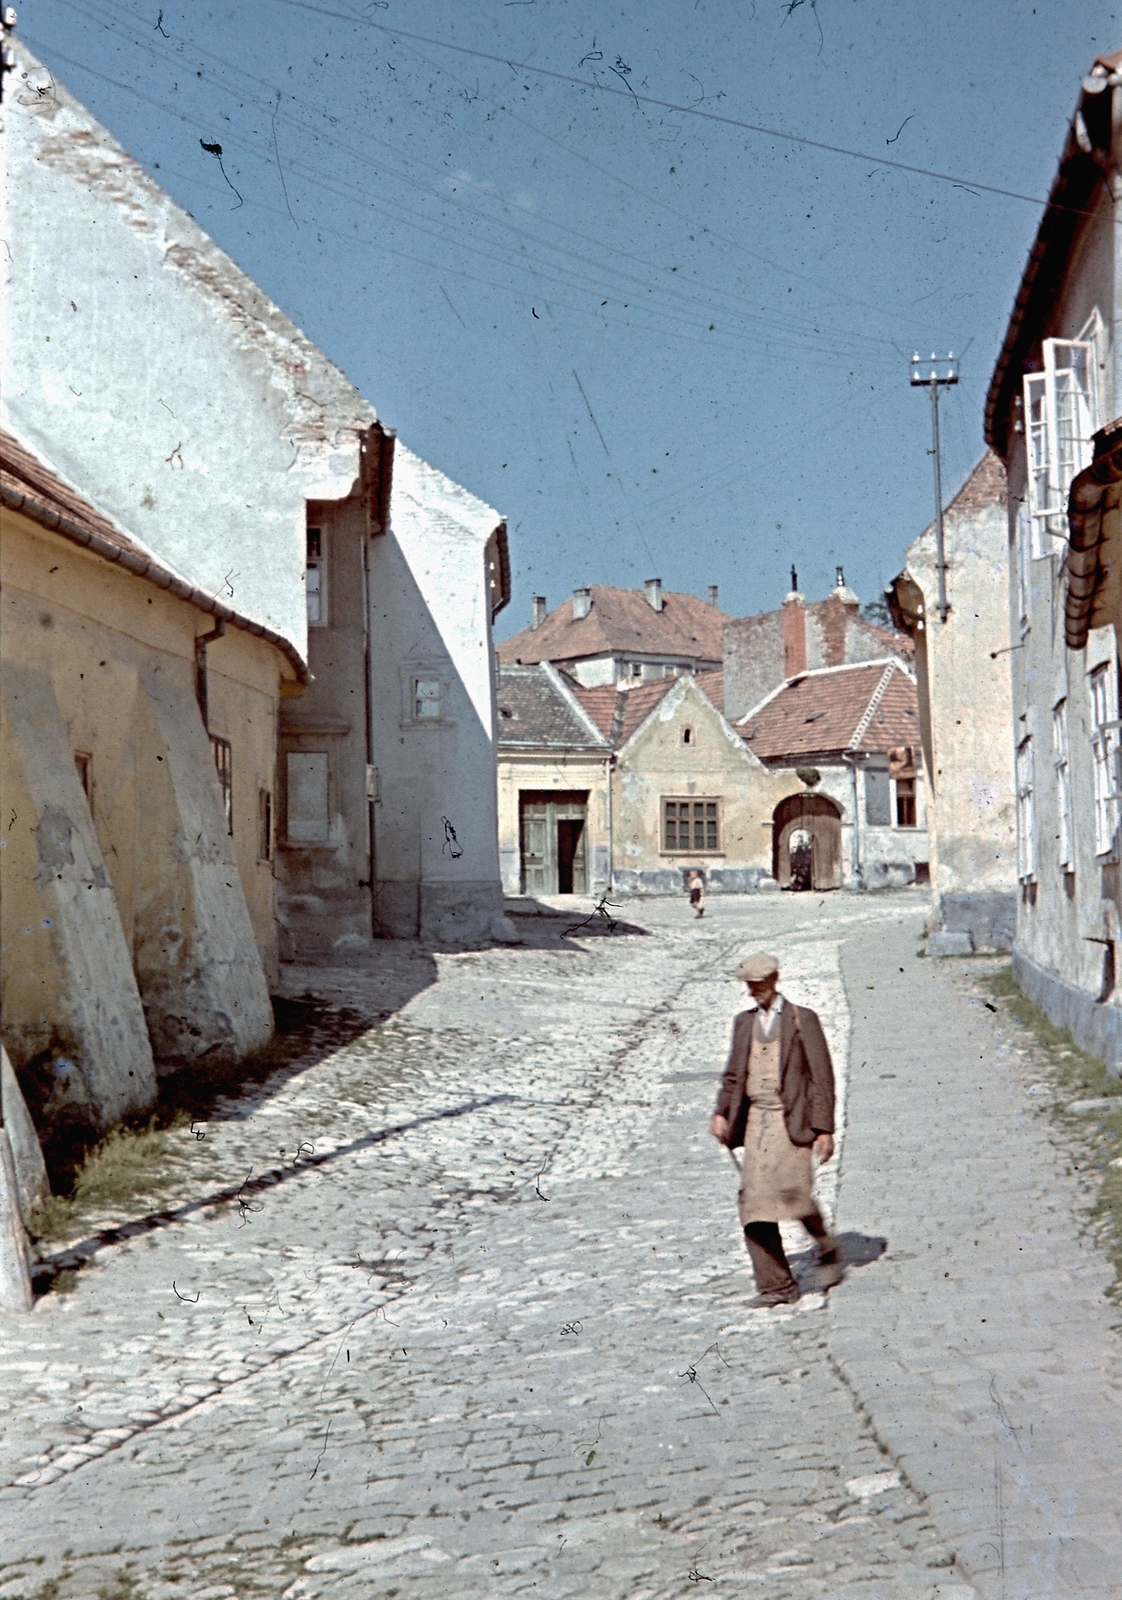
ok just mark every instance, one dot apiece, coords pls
pixel 1026 812
pixel 315 575
pixel 1063 785
pixel 428 695
pixel 307 820
pixel 636 669
pixel 692 826
pixel 83 766
pixel 223 765
pixel 1105 755
pixel 905 802
pixel 687 735
pixel 264 825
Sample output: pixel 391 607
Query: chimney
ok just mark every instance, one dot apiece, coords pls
pixel 793 615
pixel 712 594
pixel 537 611
pixel 653 587
pixel 844 593
pixel 582 603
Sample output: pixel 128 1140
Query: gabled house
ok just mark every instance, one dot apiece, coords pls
pixel 156 383
pixel 848 740
pixel 964 684
pixel 627 789
pixel 606 636
pixel 1055 389
pixel 761 652
pixel 554 778
pixel 136 900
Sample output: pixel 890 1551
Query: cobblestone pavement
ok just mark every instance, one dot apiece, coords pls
pixel 474 1324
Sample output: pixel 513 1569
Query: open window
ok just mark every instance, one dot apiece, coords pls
pixel 315 579
pixel 1062 411
pixel 1104 755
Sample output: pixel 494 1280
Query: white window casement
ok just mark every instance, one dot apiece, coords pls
pixel 1063 408
pixel 1061 761
pixel 1104 755
pixel 315 579
pixel 1026 812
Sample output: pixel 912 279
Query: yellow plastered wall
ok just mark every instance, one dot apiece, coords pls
pixel 99 631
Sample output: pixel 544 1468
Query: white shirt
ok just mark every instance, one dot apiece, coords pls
pixel 770 1016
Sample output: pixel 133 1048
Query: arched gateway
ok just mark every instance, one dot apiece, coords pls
pixel 806 842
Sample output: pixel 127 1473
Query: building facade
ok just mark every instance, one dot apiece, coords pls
pixel 846 741
pixel 964 682
pixel 136 907
pixel 1055 388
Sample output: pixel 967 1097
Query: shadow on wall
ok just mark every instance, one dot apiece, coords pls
pixel 436 824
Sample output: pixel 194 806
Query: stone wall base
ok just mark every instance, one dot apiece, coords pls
pixel 453 915
pixel 990 919
pixel 1094 1027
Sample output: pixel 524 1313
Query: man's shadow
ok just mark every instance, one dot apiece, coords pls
pixel 854 1250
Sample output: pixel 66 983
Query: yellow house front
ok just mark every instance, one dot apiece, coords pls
pixel 137 781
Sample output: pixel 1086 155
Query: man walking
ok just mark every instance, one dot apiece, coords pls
pixel 777 1101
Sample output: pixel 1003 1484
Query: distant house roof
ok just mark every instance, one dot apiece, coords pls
pixel 29 486
pixel 712 685
pixel 623 621
pixel 872 707
pixel 1083 176
pixel 537 710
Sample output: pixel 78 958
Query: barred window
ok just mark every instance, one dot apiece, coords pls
pixel 223 765
pixel 691 826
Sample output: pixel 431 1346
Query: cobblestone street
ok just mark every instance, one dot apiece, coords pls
pixel 457 1308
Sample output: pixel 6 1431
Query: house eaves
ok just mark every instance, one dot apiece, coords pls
pixel 1081 175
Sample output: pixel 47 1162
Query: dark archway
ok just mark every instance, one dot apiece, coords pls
pixel 795 864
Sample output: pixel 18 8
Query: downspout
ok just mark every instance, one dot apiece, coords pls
pixel 371 772
pixel 201 642
pixel 609 765
pixel 851 762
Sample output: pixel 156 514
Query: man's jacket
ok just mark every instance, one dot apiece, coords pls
pixel 806 1076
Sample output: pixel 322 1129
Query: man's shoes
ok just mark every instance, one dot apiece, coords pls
pixel 828 1272
pixel 774 1297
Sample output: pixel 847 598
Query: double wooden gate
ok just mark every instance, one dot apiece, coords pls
pixel 552 831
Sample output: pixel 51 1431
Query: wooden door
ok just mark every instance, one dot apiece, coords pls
pixel 539 860
pixel 826 865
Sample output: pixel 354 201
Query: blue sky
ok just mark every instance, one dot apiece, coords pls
pixel 659 343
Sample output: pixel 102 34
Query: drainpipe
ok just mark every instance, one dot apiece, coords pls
pixel 851 762
pixel 609 765
pixel 368 718
pixel 201 642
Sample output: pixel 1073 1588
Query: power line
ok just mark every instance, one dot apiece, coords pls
pixel 666 105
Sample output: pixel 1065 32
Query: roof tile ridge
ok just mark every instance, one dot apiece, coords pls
pixel 877 696
pixel 570 698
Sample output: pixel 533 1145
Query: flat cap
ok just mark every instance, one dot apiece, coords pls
pixel 755 968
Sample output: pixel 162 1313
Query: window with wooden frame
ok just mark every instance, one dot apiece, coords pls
pixel 315 579
pixel 1104 755
pixel 1026 811
pixel 1062 411
pixel 223 765
pixel 691 826
pixel 1062 764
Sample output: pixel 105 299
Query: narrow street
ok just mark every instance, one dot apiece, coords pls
pixel 481 1330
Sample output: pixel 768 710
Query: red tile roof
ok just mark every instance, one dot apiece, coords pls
pixel 622 620
pixel 618 712
pixel 30 486
pixel 838 708
pixel 712 685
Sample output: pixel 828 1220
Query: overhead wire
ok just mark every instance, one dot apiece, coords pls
pixel 767 314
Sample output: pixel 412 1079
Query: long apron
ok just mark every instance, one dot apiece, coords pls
pixel 776 1175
